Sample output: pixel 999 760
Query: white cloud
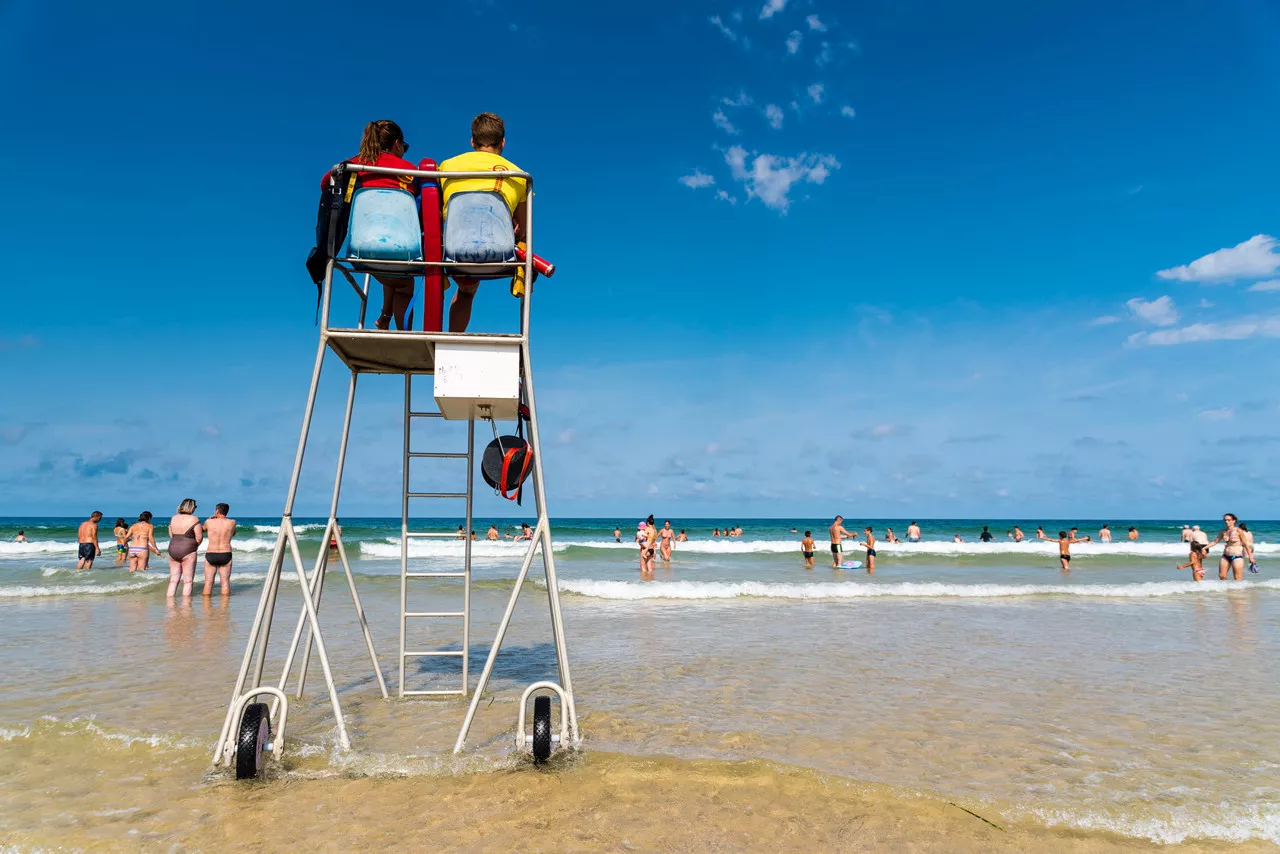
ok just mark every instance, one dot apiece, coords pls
pixel 816 91
pixel 1255 258
pixel 793 42
pixel 815 23
pixel 1262 327
pixel 722 122
pixel 771 8
pixel 565 437
pixel 770 178
pixel 1269 285
pixel 847 111
pixel 1157 312
pixel 774 114
pixel 653 489
pixel 1105 320
pixel 723 195
pixel 824 55
pixel 720 25
pixel 1223 414
pixel 697 179
pixel 211 430
pixel 742 99
pixel 1204 303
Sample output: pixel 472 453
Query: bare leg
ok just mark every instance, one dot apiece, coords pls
pixel 224 575
pixel 871 565
pixel 188 575
pixel 460 308
pixel 175 575
pixel 1237 568
pixel 1223 566
pixel 397 293
pixel 209 570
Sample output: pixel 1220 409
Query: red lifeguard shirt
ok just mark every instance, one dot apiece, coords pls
pixel 393 182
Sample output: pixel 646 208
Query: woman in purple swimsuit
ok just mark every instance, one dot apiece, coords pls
pixel 185 535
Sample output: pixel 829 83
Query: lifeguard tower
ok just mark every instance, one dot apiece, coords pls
pixel 475 378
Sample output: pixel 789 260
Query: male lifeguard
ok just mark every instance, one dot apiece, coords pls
pixel 484 224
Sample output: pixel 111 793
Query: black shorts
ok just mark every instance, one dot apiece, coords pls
pixel 808 555
pixel 1067 558
pixel 871 552
pixel 218 558
pixel 88 551
pixel 835 548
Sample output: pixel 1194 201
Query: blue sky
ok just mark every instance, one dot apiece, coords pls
pixel 883 258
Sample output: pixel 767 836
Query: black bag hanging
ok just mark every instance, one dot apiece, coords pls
pixel 508 460
pixel 331 225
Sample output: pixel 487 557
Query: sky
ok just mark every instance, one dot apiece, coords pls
pixel 891 258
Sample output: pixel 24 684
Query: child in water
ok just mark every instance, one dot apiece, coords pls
pixel 807 546
pixel 1196 561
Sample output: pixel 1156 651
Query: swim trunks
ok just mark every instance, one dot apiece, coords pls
pixel 88 551
pixel 871 552
pixel 1067 558
pixel 913 539
pixel 218 558
pixel 835 548
pixel 808 555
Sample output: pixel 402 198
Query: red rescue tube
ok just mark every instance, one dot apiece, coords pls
pixel 542 265
pixel 432 250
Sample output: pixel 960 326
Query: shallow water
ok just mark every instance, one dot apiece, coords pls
pixel 1120 701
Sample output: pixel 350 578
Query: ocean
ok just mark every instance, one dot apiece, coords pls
pixel 737 700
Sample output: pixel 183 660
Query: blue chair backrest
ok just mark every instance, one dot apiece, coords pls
pixel 384 226
pixel 478 229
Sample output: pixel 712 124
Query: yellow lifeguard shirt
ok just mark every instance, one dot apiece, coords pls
pixel 513 190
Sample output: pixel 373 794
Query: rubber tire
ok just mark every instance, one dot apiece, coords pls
pixel 255 732
pixel 541 729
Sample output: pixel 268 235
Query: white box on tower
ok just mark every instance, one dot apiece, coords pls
pixel 478 380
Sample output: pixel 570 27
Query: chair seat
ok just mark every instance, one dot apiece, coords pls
pixel 478 230
pixel 384 226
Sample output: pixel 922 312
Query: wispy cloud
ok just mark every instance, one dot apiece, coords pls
pixel 720 25
pixel 847 111
pixel 722 122
pixel 771 8
pixel 724 196
pixel 774 114
pixel 697 179
pixel 815 23
pixel 1105 320
pixel 742 99
pixel 1268 285
pixel 793 42
pixel 882 431
pixel 1252 259
pixel 1157 312
pixel 1261 327
pixel 770 178
pixel 816 91
pixel 1223 414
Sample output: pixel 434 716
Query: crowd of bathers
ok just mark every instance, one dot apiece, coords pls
pixel 136 542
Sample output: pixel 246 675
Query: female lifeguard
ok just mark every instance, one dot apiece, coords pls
pixel 383 145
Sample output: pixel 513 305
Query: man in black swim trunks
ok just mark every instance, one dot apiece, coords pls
pixel 87 537
pixel 838 536
pixel 218 530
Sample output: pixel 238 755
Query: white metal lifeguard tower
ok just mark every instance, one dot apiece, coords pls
pixel 476 377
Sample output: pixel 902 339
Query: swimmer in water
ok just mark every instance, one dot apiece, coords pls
pixel 870 546
pixel 1236 551
pixel 1065 542
pixel 913 533
pixel 1017 534
pixel 807 547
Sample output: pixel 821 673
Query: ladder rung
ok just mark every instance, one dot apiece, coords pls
pixel 437 653
pixel 435 575
pixel 417 534
pixel 438 455
pixel 434 614
pixel 432 693
pixel 426 415
pixel 436 495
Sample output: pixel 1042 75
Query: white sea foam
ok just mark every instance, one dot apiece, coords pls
pixel 695 590
pixel 275 529
pixel 39 547
pixel 1036 548
pixel 1238 823
pixel 39 591
pixel 390 547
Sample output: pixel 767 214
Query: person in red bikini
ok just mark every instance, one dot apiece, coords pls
pixel 383 145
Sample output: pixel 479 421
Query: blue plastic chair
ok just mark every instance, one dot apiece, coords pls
pixel 384 226
pixel 478 230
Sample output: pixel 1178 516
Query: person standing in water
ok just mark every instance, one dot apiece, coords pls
pixel 87 538
pixel 1235 551
pixel 668 541
pixel 1065 541
pixel 913 533
pixel 1104 536
pixel 185 535
pixel 986 536
pixel 838 536
pixel 870 546
pixel 1196 561
pixel 1017 534
pixel 217 558
pixel 617 535
pixel 807 547
pixel 121 533
pixel 682 537
pixel 1133 534
pixel 1248 541
pixel 142 542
